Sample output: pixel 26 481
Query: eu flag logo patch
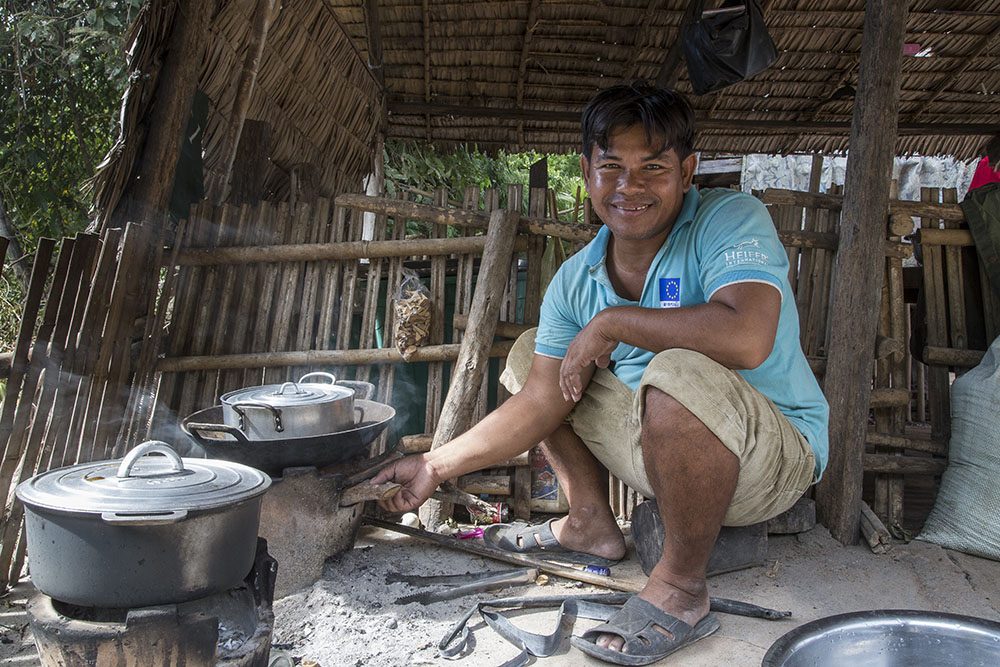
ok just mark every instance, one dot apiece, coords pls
pixel 670 292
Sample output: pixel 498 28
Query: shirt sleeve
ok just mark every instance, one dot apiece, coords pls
pixel 738 244
pixel 557 325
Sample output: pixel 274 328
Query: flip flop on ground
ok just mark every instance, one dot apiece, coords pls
pixel 537 540
pixel 642 624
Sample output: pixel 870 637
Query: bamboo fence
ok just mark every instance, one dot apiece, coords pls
pixel 126 333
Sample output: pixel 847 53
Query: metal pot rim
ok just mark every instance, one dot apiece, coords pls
pixel 143 484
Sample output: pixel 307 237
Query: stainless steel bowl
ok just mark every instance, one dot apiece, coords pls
pixel 889 638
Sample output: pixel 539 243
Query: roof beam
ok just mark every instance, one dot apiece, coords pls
pixel 771 126
pixel 373 34
pixel 522 63
pixel 426 13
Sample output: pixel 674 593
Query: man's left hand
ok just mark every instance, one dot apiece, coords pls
pixel 590 346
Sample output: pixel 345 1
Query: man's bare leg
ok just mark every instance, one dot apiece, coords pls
pixel 693 476
pixel 590 525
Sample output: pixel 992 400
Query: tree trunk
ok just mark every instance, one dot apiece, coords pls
pixel 15 256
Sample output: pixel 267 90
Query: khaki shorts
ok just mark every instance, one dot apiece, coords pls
pixel 776 461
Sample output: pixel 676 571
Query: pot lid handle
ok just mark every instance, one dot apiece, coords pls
pixel 329 376
pixel 149 447
pixel 285 385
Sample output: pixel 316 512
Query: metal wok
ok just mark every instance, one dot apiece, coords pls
pixel 228 443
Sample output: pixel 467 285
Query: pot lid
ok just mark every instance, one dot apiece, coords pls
pixel 142 484
pixel 291 394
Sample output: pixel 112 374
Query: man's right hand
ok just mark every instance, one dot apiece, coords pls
pixel 417 478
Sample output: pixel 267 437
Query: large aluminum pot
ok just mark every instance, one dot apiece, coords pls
pixel 290 410
pixel 143 530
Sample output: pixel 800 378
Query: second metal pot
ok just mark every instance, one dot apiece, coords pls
pixel 290 410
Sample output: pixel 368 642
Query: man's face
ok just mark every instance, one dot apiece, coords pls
pixel 635 189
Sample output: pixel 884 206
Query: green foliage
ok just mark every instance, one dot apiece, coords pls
pixel 422 169
pixel 61 78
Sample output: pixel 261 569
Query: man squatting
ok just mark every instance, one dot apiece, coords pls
pixel 667 352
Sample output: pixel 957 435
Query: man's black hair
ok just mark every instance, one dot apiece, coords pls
pixel 664 114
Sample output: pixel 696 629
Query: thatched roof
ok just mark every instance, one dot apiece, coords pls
pixel 337 74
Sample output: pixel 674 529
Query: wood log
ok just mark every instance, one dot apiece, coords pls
pixel 835 203
pixel 900 224
pixel 467 373
pixel 505 329
pixel 948 237
pixel 947 356
pixel 904 465
pixel 854 306
pixel 889 398
pixel 702 122
pixel 465 218
pixel 421 442
pixel 491 485
pixel 879 539
pixel 345 250
pixel 902 442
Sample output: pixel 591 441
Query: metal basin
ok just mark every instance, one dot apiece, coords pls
pixel 889 638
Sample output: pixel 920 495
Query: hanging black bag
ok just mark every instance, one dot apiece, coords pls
pixel 725 45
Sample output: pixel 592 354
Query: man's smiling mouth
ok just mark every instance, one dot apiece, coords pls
pixel 631 207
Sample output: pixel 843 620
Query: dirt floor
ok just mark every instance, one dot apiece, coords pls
pixel 351 617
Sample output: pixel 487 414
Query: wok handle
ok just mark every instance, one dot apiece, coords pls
pixel 197 428
pixel 149 447
pixel 130 519
pixel 239 406
pixel 360 411
pixel 329 376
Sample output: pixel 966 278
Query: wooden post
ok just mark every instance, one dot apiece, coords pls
pixel 854 309
pixel 154 175
pixel 467 373
pixel 262 14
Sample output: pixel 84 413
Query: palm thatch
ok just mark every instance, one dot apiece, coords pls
pixel 337 75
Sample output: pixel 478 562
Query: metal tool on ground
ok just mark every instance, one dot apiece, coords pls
pixel 463 584
pixel 723 605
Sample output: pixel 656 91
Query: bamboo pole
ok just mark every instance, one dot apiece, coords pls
pixel 835 202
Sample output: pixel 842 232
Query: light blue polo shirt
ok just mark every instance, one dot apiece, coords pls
pixel 721 237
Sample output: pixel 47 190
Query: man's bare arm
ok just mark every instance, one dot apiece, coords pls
pixel 522 421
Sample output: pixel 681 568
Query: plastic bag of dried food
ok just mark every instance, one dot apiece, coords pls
pixel 412 306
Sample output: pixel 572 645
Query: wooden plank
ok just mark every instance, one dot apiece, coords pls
pixel 460 402
pixel 938 382
pixel 26 329
pixel 904 465
pixel 859 262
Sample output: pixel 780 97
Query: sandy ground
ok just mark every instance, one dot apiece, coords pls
pixel 350 617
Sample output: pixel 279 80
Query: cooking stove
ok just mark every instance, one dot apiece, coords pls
pixel 229 629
